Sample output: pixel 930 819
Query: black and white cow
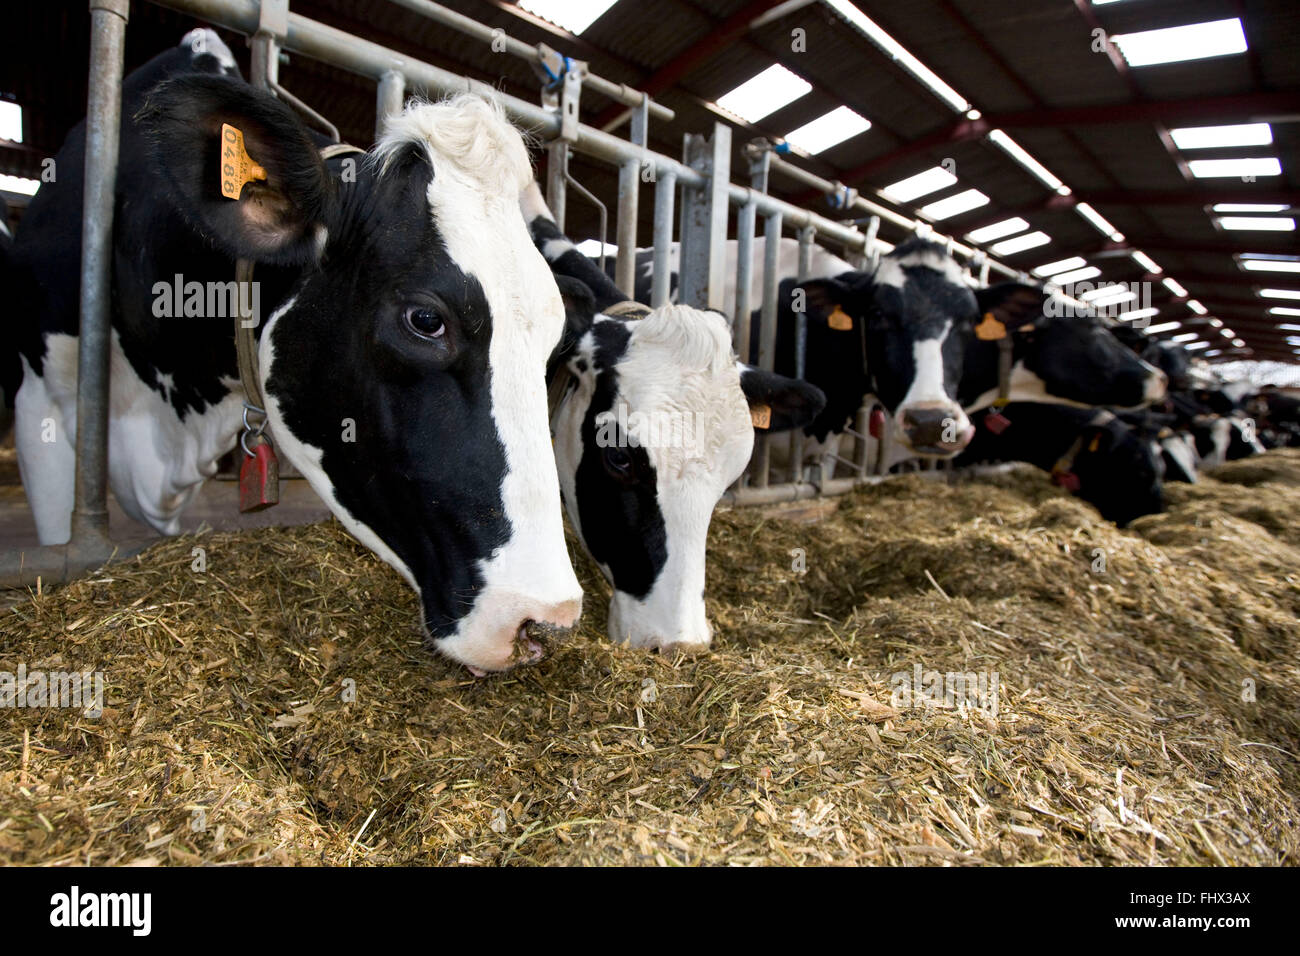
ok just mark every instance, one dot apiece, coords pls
pixel 655 423
pixel 909 320
pixel 904 334
pixel 1059 356
pixel 405 322
pixel 1090 452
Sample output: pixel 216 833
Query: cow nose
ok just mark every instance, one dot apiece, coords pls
pixel 936 429
pixel 516 629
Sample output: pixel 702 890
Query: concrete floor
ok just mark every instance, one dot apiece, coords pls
pixel 217 505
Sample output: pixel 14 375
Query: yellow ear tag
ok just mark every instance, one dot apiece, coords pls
pixel 237 167
pixel 839 320
pixel 761 415
pixel 990 330
pixel 1096 443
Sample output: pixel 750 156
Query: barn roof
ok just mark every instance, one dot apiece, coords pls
pixel 1031 69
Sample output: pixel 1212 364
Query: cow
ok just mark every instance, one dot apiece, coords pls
pixel 1090 452
pixel 640 496
pixel 405 322
pixel 913 319
pixel 899 331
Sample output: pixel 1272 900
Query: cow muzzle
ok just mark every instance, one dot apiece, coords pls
pixel 509 629
pixel 937 429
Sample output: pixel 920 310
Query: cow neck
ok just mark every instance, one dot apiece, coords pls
pixel 246 340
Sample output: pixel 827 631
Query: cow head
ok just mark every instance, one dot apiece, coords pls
pixel 1060 355
pixel 917 312
pixel 404 367
pixel 657 420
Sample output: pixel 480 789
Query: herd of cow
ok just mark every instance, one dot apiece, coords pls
pixel 418 332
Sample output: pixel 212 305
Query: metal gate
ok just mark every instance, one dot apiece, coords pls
pixel 695 194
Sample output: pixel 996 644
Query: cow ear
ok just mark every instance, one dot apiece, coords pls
pixel 1011 303
pixel 791 403
pixel 281 213
pixel 823 296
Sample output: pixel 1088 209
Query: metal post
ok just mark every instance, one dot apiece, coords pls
pixel 741 322
pixel 704 220
pixel 629 189
pixel 806 236
pixel 103 130
pixel 388 100
pixel 665 194
pixel 557 174
pixel 272 25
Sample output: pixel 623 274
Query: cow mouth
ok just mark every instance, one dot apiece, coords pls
pixel 530 647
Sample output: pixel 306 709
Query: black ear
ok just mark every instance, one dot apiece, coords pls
pixel 823 296
pixel 280 219
pixel 1012 303
pixel 793 403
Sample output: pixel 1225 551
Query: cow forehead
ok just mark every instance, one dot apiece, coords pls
pixel 678 390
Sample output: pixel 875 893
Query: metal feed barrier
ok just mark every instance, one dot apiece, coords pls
pixel 702 177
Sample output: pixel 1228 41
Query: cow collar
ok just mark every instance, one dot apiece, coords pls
pixel 253 434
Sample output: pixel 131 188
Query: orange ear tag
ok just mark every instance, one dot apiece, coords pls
pixel 990 329
pixel 839 320
pixel 761 415
pixel 237 167
pixel 1096 443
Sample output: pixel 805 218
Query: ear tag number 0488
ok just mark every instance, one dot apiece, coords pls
pixel 237 167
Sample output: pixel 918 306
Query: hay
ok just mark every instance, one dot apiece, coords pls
pixel 1121 734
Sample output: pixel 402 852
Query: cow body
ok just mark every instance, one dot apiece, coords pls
pixel 1101 459
pixel 403 321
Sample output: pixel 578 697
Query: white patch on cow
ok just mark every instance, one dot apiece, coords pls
pixel 1220 436
pixel 48 469
pixel 1182 451
pixel 891 268
pixel 481 169
pixel 927 386
pixel 156 461
pixel 1156 385
pixel 205 40
pixel 552 249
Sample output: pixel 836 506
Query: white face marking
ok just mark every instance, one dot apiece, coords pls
pixel 157 463
pixel 927 386
pixel 891 268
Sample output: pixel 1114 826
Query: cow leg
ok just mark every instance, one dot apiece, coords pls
pixel 46 443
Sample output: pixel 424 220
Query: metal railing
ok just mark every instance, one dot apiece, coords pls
pixel 697 191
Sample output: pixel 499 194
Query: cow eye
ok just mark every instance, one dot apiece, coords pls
pixel 425 322
pixel 617 462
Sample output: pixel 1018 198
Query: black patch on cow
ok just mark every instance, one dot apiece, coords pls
pixel 1077 358
pixel 622 525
